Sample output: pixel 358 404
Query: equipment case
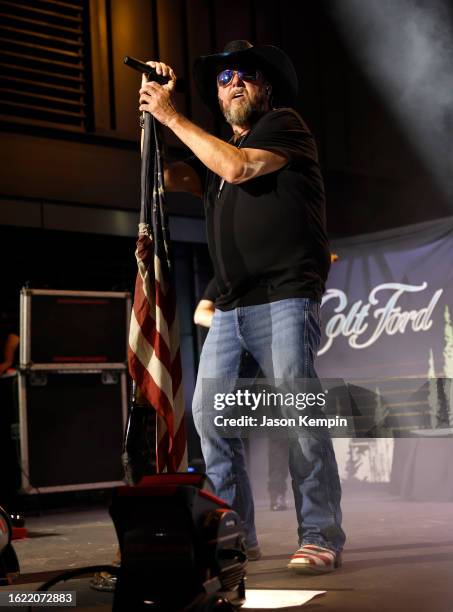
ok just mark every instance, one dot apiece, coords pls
pixel 70 329
pixel 71 429
pixel 72 388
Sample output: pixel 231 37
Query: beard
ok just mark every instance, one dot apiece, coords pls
pixel 247 111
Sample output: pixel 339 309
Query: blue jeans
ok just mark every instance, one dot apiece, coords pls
pixel 283 338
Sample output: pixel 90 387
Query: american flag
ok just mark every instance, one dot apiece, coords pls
pixel 154 344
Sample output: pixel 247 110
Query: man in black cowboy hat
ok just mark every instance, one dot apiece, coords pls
pixel 265 215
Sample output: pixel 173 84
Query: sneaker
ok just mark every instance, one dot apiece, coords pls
pixel 314 559
pixel 254 553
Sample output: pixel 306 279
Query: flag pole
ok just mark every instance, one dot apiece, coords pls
pixel 139 455
pixel 147 167
pixel 154 354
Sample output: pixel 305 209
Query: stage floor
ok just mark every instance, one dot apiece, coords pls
pixel 399 555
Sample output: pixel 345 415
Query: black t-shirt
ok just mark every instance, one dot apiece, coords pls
pixel 211 292
pixel 267 236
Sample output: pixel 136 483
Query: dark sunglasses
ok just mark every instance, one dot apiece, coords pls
pixel 225 77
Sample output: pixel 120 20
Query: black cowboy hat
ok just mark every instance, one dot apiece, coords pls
pixel 276 66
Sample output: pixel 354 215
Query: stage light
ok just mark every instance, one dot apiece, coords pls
pixel 9 565
pixel 182 548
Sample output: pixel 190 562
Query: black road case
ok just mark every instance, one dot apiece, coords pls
pixel 71 429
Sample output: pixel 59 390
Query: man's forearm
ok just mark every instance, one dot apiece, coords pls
pixel 220 157
pixel 233 164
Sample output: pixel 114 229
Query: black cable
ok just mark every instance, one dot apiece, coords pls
pixel 90 569
pixel 111 569
pixel 212 601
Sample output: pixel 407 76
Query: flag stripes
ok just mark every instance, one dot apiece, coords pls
pixel 154 344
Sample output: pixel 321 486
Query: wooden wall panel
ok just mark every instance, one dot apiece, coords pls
pixel 171 39
pixel 69 172
pixel 103 108
pixel 171 48
pixel 199 37
pixel 232 22
pixel 365 156
pixel 266 27
pixel 131 35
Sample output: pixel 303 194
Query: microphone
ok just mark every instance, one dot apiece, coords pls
pixel 151 73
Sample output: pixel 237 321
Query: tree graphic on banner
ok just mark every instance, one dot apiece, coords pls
pixel 448 348
pixel 448 365
pixel 432 393
pixel 381 412
pixel 441 413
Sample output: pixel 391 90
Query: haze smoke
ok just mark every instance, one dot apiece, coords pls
pixel 406 47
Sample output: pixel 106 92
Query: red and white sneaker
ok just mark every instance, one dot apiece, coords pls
pixel 314 559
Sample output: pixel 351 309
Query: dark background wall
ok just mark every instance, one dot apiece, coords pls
pixel 374 178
